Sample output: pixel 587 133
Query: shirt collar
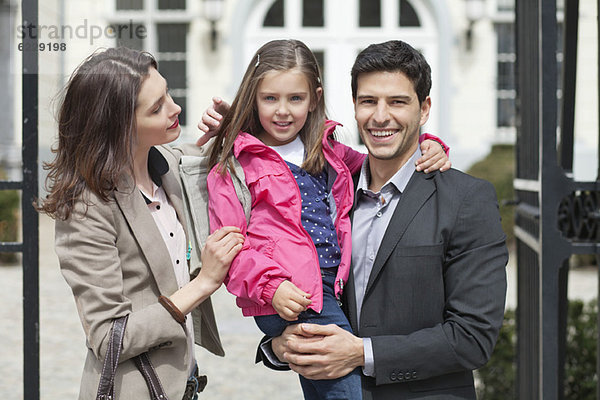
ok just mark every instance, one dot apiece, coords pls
pixel 157 167
pixel 292 152
pixel 399 180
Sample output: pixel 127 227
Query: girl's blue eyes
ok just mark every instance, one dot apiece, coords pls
pixel 293 98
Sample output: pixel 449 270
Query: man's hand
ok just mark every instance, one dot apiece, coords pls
pixel 319 351
pixel 289 301
pixel 211 119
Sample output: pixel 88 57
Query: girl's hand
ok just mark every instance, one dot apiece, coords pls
pixel 433 157
pixel 220 249
pixel 289 301
pixel 211 119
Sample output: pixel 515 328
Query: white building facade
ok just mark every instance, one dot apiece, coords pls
pixel 468 43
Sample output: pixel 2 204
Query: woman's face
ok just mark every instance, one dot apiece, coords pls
pixel 156 114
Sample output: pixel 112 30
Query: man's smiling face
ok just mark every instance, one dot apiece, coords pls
pixel 389 115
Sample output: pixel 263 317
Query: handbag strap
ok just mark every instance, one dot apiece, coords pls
pixel 154 386
pixel 106 387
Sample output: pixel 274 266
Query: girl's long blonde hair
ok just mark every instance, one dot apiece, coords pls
pixel 276 55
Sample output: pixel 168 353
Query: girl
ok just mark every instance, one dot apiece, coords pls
pixel 296 256
pixel 120 236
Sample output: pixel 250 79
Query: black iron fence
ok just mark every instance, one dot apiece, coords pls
pixel 29 247
pixel 556 216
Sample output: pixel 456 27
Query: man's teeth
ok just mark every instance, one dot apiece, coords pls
pixel 382 133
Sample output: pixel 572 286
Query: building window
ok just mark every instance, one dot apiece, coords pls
pixel 313 13
pixel 171 37
pixel 172 61
pixel 320 56
pixel 274 17
pixel 506 85
pixel 169 44
pixel 408 15
pixel 505 79
pixel 505 5
pixel 131 37
pixel 130 5
pixel 369 13
pixel 171 4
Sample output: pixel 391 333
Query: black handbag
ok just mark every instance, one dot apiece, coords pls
pixel 106 387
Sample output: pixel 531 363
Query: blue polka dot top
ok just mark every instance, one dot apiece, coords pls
pixel 316 217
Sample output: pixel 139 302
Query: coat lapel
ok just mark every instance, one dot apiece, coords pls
pixel 419 189
pixel 147 235
pixel 172 188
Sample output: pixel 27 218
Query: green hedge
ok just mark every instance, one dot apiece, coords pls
pixel 9 221
pixel 498 167
pixel 497 377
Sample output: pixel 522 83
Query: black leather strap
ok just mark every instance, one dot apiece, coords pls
pixel 106 387
pixel 143 364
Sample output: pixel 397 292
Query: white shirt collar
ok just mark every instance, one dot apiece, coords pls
pixel 291 152
pixel 400 178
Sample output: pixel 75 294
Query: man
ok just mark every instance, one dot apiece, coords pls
pixel 426 293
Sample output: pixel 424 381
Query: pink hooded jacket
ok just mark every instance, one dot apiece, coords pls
pixel 277 247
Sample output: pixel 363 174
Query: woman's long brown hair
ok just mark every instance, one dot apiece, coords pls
pixel 276 55
pixel 96 128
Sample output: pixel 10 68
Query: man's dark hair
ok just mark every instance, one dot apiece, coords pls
pixel 394 56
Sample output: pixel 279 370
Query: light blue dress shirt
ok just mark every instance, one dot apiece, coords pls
pixel 372 215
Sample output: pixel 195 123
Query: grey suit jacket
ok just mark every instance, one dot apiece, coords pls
pixel 434 301
pixel 114 259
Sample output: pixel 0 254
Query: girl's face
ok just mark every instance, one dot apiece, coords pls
pixel 156 114
pixel 283 100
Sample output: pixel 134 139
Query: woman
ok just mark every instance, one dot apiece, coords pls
pixel 120 227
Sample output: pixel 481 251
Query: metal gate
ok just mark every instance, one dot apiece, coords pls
pixel 556 216
pixel 29 247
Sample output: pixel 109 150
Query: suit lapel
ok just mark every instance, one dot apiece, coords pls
pixel 147 235
pixel 419 189
pixel 349 305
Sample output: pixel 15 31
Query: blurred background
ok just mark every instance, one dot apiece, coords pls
pixel 203 48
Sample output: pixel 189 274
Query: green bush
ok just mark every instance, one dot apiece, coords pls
pixel 497 378
pixel 9 206
pixel 580 363
pixel 498 167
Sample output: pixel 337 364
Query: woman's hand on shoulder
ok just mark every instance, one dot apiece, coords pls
pixel 220 249
pixel 211 119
